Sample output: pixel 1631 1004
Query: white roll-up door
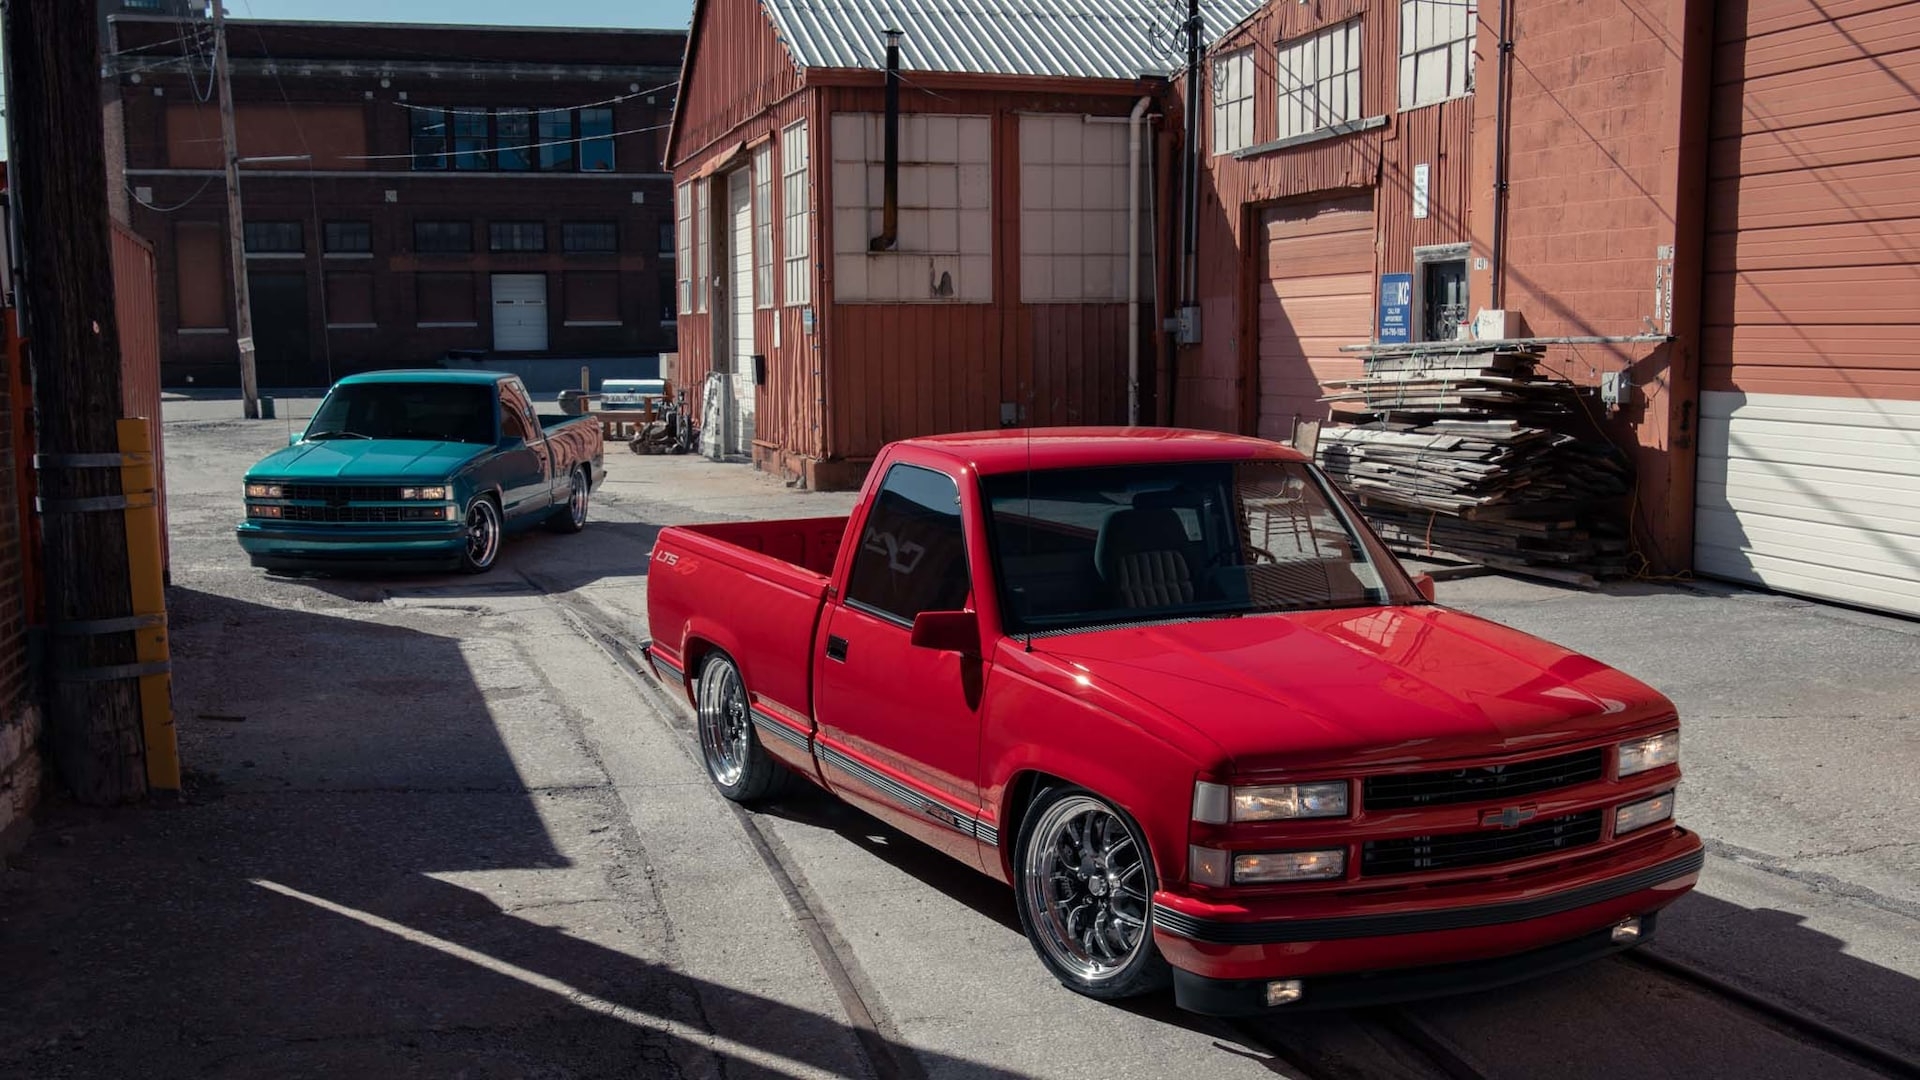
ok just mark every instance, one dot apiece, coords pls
pixel 520 312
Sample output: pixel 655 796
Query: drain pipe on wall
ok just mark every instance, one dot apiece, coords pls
pixel 890 208
pixel 1134 121
pixel 1503 76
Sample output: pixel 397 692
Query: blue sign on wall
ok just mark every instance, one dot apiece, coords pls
pixel 1396 308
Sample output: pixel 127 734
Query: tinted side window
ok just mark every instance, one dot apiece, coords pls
pixel 913 556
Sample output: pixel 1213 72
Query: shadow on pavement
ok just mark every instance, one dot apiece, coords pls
pixel 606 549
pixel 303 912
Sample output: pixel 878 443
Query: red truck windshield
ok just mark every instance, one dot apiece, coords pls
pixel 1092 547
pixel 442 412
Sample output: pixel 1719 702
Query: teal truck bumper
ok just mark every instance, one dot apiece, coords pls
pixel 298 546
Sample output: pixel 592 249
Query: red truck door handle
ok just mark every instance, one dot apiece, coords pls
pixel 836 648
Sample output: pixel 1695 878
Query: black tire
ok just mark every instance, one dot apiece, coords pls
pixel 1077 913
pixel 571 516
pixel 729 744
pixel 486 532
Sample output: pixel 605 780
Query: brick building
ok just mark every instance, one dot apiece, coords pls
pixel 1725 182
pixel 409 191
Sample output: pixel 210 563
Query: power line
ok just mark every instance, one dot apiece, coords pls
pixel 501 149
pixel 453 111
pixel 204 184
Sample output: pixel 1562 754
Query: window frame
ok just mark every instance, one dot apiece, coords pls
pixel 1458 49
pixel 517 230
pixel 596 142
pixel 796 215
pixel 702 242
pixel 612 233
pixel 428 150
pixel 455 226
pixel 1310 91
pixel 328 233
pixel 763 256
pixel 563 156
pixel 1222 107
pixel 683 240
pixel 252 229
pixel 965 553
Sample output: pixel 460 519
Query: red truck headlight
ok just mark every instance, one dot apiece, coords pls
pixel 1653 752
pixel 1218 804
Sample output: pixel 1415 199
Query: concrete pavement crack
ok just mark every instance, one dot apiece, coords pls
pixel 1813 879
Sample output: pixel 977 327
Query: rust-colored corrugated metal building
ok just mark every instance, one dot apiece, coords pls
pixel 1001 296
pixel 1730 182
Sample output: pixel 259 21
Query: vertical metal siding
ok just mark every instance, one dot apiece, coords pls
pixel 136 309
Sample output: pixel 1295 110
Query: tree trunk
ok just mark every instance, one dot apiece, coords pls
pixel 58 180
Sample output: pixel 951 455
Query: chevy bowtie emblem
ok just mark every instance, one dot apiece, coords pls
pixel 1508 818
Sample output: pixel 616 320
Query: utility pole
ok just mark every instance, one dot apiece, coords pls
pixel 236 224
pixel 1188 319
pixel 58 174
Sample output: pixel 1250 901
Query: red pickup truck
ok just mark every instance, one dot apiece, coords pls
pixel 1170 688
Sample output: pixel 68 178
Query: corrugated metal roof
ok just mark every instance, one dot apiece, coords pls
pixel 1095 39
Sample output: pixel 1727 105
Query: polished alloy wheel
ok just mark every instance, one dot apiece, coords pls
pixel 483 533
pixel 1086 881
pixel 577 500
pixel 726 726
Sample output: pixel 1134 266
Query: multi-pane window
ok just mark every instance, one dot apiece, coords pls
pixel 512 139
pixel 556 147
pixel 273 238
pixel 443 237
pixel 702 245
pixel 796 202
pixel 1319 77
pixel 1073 211
pixel 596 140
pixel 470 140
pixel 513 134
pixel 763 225
pixel 1436 50
pixel 1233 102
pixel 683 227
pixel 348 237
pixel 429 139
pixel 517 236
pixel 589 237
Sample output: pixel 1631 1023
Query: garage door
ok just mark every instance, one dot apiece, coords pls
pixel 1316 294
pixel 740 305
pixel 520 312
pixel 1809 454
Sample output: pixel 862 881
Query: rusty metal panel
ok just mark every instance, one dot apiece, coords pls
pixel 736 71
pixel 137 311
pixel 1439 137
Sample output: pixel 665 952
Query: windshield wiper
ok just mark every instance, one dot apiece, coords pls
pixel 318 435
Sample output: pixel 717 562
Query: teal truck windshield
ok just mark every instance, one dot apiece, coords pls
pixel 441 412
pixel 1091 547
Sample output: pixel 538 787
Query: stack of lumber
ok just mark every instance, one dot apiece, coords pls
pixel 1463 456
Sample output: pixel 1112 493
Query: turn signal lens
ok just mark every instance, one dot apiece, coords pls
pixel 1205 866
pixel 1264 868
pixel 264 511
pixel 1642 814
pixel 1655 752
pixel 265 491
pixel 1276 802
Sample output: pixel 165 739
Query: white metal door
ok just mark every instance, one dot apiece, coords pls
pixel 740 304
pixel 519 312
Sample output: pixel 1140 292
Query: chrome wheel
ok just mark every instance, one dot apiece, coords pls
pixel 577 500
pixel 1086 888
pixel 726 723
pixel 483 534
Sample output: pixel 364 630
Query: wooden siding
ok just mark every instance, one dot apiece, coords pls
pixel 736 71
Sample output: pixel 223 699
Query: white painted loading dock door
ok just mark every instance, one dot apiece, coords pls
pixel 520 312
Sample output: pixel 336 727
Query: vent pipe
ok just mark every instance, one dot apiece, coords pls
pixel 890 210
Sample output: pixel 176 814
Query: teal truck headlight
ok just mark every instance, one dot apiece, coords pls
pixel 265 491
pixel 430 493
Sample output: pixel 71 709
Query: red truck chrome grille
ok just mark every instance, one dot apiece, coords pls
pixel 1453 851
pixel 1414 790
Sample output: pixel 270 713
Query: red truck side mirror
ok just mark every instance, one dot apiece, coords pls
pixel 1424 582
pixel 947 631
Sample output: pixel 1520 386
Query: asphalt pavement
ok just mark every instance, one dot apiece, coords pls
pixel 438 826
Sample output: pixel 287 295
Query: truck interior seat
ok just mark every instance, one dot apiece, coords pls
pixel 1143 556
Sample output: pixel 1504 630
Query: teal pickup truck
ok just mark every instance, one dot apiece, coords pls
pixel 432 467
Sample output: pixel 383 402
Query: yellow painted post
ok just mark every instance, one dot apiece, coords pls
pixel 138 477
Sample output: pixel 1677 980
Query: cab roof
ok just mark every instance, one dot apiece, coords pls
pixel 1018 449
pixel 457 377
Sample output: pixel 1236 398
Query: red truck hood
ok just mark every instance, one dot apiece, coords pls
pixel 1375 685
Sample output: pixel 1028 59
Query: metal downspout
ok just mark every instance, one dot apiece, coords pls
pixel 1134 121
